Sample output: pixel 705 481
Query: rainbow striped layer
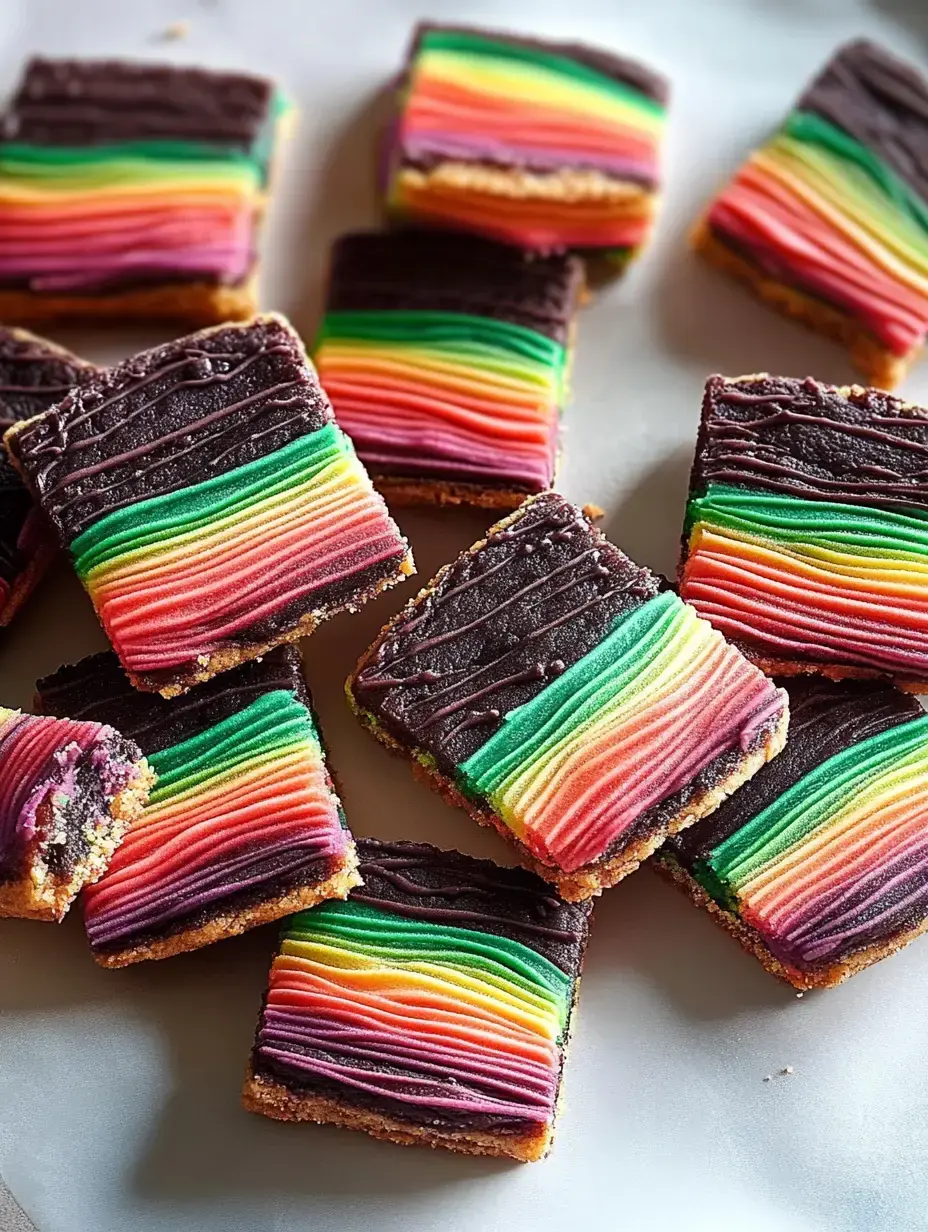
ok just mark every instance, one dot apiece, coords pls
pixel 829 219
pixel 439 394
pixel 439 1020
pixel 86 218
pixel 176 576
pixel 539 145
pixel 627 726
pixel 839 862
pixel 239 808
pixel 812 579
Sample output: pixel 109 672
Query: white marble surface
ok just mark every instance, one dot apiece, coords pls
pixel 119 1090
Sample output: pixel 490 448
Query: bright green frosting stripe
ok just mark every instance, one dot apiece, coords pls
pixel 476 44
pixel 441 328
pixel 269 727
pixel 808 806
pixel 365 928
pixel 790 519
pixel 574 698
pixel 813 129
pixel 160 518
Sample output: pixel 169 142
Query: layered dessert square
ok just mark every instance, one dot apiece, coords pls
pixel 806 537
pixel 244 825
pixel 828 221
pixel 209 503
pixel 565 696
pixel 432 1007
pixel 69 790
pixel 33 375
pixel 133 190
pixel 819 866
pixel 446 359
pixel 540 144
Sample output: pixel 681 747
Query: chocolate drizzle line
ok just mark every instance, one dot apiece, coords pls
pixel 96 688
pixel 801 438
pixel 169 418
pixel 496 627
pixel 422 882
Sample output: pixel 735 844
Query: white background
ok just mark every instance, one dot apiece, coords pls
pixel 119 1090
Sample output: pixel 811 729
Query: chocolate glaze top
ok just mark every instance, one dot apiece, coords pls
pixel 422 882
pixel 495 627
pixel 95 102
pixel 34 374
pixel 170 417
pixel 96 688
pixel 615 67
pixel 825 718
pixel 880 101
pixel 446 272
pixel 801 438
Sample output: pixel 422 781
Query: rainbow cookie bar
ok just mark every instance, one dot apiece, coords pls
pixel 544 145
pixel 33 374
pixel 828 221
pixel 561 694
pixel 210 505
pixel 806 538
pixel 244 825
pixel 131 189
pixel 69 790
pixel 446 358
pixel 433 1007
pixel 819 866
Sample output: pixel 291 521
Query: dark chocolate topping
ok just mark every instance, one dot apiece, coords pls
pixel 93 102
pixel 615 67
pixel 422 882
pixel 495 627
pixel 813 441
pixel 438 271
pixel 34 375
pixel 880 101
pixel 825 719
pixel 96 688
pixel 170 417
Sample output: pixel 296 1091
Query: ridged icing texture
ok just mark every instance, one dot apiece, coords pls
pixel 39 762
pixel 439 993
pixel 445 356
pixel 835 204
pixel 207 498
pixel 807 525
pixel 542 670
pixel 117 173
pixel 827 853
pixel 243 809
pixel 572 770
pixel 33 375
pixel 488 120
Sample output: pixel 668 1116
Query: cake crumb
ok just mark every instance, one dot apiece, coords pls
pixel 768 1078
pixel 787 1069
pixel 176 30
pixel 593 513
pixel 799 995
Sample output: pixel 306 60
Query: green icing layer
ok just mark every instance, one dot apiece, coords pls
pixel 529 732
pixel 475 44
pixel 814 130
pixel 374 932
pixel 808 806
pixel 829 524
pixel 163 518
pixel 269 727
